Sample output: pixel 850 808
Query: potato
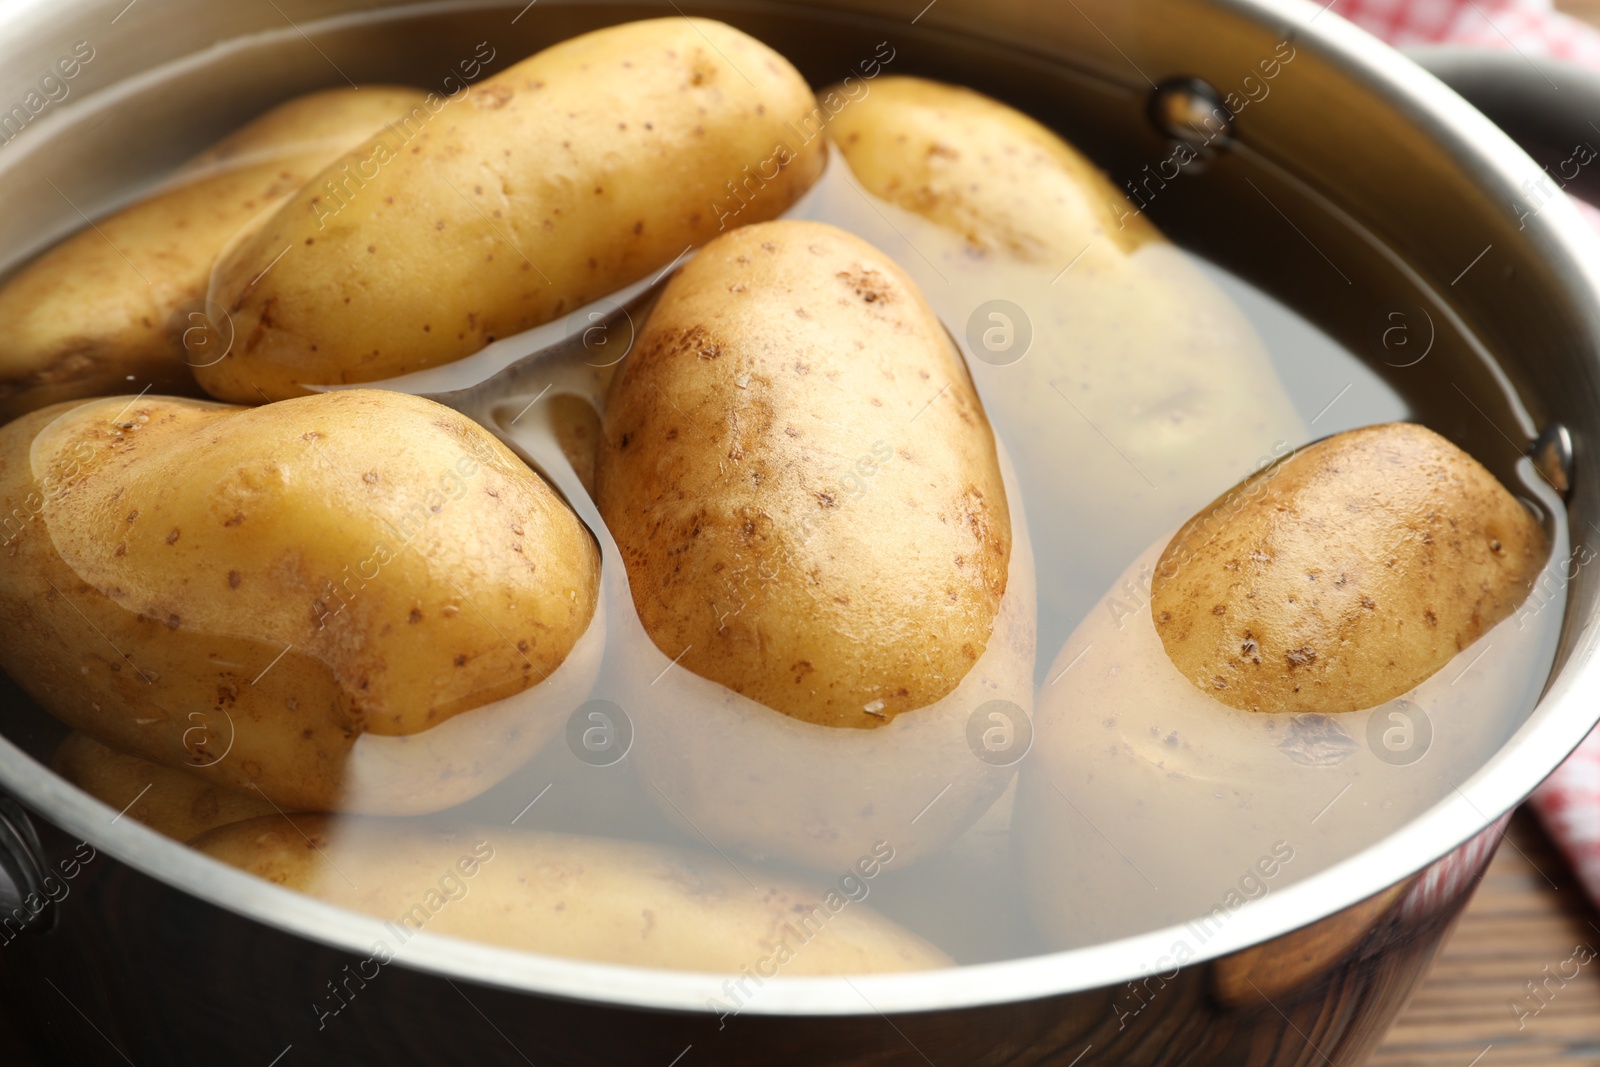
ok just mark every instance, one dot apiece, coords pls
pixel 577 431
pixel 326 123
pixel 1142 390
pixel 356 601
pixel 1344 575
pixel 585 898
pixel 175 803
pixel 802 482
pixel 592 164
pixel 814 522
pixel 96 311
pixel 1148 801
pixel 1009 186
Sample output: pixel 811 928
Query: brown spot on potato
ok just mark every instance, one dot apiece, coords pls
pixel 1299 657
pixel 870 285
pixel 491 96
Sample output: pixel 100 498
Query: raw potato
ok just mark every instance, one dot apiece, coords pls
pixel 175 803
pixel 355 601
pixel 321 125
pixel 1143 390
pixel 586 167
pixel 1008 185
pixel 577 430
pixel 773 786
pixel 1344 575
pixel 814 524
pixel 1147 802
pixel 802 482
pixel 96 311
pixel 593 899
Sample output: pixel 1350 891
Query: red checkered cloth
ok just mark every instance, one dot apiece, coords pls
pixel 1569 802
pixel 1532 26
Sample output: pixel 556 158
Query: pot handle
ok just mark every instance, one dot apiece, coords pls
pixel 1549 107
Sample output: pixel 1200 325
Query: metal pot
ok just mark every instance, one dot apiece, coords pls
pixel 1372 189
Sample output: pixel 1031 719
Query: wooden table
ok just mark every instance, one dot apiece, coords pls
pixel 1529 914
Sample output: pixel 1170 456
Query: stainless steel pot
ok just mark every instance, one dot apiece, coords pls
pixel 1372 189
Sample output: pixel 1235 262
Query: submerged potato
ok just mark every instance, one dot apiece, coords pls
pixel 1148 801
pixel 1145 802
pixel 774 786
pixel 585 898
pixel 326 122
pixel 96 311
pixel 1090 335
pixel 812 514
pixel 1007 184
pixel 176 803
pixel 1344 575
pixel 562 179
pixel 306 597
pixel 802 483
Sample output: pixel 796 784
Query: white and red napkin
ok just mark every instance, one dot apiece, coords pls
pixel 1569 802
pixel 1532 26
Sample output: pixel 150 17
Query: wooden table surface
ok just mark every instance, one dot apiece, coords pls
pixel 1528 915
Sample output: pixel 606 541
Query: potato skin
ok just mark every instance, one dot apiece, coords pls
pixel 585 898
pixel 1345 574
pixel 771 785
pixel 979 168
pixel 404 565
pixel 323 124
pixel 1145 389
pixel 1144 799
pixel 172 802
pixel 552 184
pixel 79 320
pixel 802 482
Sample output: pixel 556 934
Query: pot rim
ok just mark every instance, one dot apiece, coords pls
pixel 1559 723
